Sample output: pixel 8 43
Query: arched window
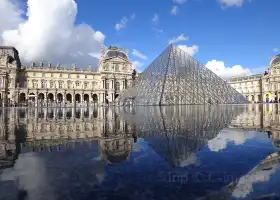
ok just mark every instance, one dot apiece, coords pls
pixel 86 84
pixel 44 84
pixel 117 68
pixel 77 84
pixel 69 83
pixel 93 84
pixel 34 83
pixel 60 84
pixel 106 67
pixel 107 85
pixel 117 85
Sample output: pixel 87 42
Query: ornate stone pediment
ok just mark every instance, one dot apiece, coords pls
pixel 117 59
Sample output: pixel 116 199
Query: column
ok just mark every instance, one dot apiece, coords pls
pixel 73 99
pixel 100 98
pixel 64 98
pixel 55 97
pixel 63 112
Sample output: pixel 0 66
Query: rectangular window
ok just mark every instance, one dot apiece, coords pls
pixel 60 85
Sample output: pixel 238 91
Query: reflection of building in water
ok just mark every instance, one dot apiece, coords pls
pixel 174 132
pixel 177 132
pixel 261 116
pixel 7 141
pixel 55 129
pixel 244 186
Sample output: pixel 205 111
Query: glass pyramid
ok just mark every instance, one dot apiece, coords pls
pixel 176 78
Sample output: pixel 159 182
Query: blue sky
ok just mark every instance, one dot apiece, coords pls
pixel 246 34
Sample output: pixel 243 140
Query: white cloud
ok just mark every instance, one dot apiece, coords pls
pixel 276 50
pixel 137 65
pixel 219 68
pixel 139 54
pixel 179 1
pixel 191 160
pixel 227 136
pixel 191 50
pixel 177 39
pixel 121 24
pixel 174 10
pixel 12 15
pixel 155 19
pixel 49 33
pixel 231 3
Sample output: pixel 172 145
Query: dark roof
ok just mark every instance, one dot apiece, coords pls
pixel 275 60
pixel 116 53
pixel 116 159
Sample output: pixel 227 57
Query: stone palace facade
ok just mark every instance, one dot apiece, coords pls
pixel 47 84
pixel 260 87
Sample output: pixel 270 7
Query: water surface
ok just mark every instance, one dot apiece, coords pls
pixel 183 152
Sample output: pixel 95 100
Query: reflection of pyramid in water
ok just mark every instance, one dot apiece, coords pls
pixel 175 77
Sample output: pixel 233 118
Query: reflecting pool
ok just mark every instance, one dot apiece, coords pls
pixel 183 152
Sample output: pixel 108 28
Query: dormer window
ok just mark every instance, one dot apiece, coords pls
pixel 106 67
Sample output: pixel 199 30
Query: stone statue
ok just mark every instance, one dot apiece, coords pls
pixel 41 65
pixel 50 64
pixel 57 66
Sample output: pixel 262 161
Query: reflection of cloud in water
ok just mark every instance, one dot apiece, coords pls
pixel 30 173
pixel 191 160
pixel 246 183
pixel 140 145
pixel 229 135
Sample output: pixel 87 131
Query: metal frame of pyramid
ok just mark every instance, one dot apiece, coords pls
pixel 176 78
